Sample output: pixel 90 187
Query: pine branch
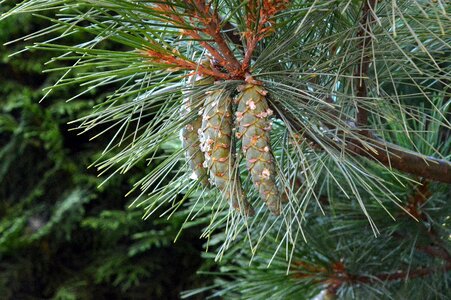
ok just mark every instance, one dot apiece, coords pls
pixel 394 156
pixel 418 199
pixel 212 23
pixel 222 58
pixel 362 69
pixel 337 275
pixel 399 275
pixel 436 251
pixel 175 63
pixel 388 154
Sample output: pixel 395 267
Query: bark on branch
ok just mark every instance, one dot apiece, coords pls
pixel 408 161
pixel 388 154
pixel 364 34
pixel 337 275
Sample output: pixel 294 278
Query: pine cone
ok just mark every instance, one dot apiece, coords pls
pixel 253 128
pixel 216 143
pixel 190 135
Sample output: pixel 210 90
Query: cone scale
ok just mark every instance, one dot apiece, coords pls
pixel 254 126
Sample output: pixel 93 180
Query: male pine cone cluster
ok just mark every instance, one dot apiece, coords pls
pixel 209 144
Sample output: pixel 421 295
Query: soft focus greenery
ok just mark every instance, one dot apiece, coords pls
pixel 62 237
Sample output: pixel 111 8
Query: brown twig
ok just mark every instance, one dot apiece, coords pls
pixel 212 24
pixel 406 161
pixel 419 197
pixel 362 68
pixel 398 275
pixel 176 62
pixel 436 251
pixel 259 25
pixel 175 18
pixel 388 154
pixel 415 203
pixel 337 275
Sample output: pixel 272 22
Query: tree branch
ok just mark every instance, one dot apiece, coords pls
pixel 337 275
pixel 388 154
pixel 212 24
pixel 175 62
pixel 415 203
pixel 174 18
pixel 407 161
pixel 362 68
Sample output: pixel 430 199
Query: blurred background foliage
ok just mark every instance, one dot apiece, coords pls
pixel 62 237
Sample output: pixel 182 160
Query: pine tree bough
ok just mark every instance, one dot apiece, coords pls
pixel 252 118
pixel 390 155
pixel 407 161
pixel 362 68
pixel 190 138
pixel 216 143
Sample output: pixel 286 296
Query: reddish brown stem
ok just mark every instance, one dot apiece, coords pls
pixel 212 24
pixel 174 18
pixel 418 198
pixel 179 63
pixel 414 206
pixel 213 52
pixel 250 47
pixel 337 276
pixel 436 251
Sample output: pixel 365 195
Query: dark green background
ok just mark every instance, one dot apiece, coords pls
pixel 62 237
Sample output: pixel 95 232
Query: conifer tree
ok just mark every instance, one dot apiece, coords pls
pixel 329 118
